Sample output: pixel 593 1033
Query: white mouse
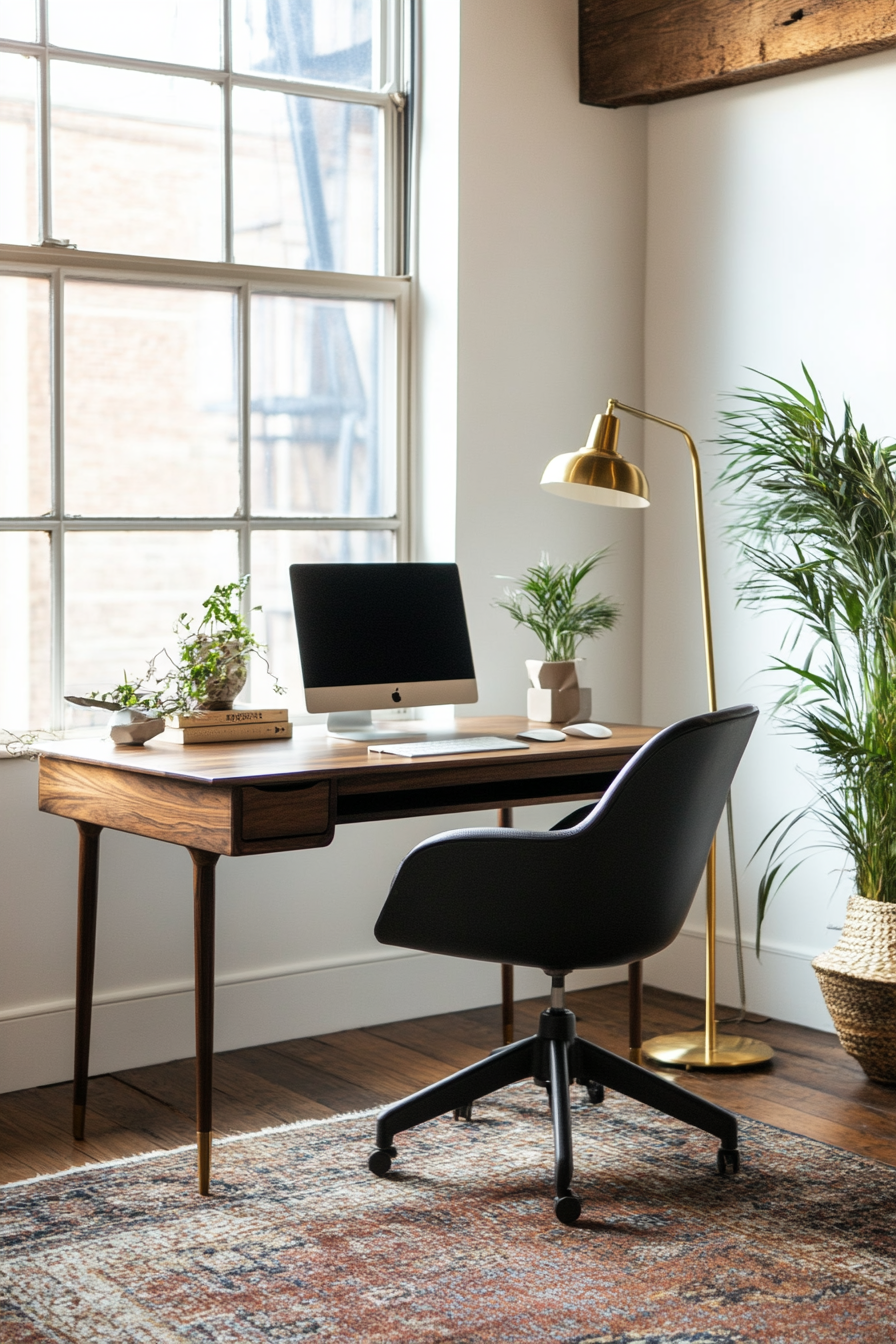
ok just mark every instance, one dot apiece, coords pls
pixel 543 735
pixel 587 730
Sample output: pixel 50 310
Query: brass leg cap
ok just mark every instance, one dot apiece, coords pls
pixel 204 1160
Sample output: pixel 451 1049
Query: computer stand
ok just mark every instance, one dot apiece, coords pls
pixel 356 725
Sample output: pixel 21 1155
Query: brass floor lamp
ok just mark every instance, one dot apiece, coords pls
pixel 597 474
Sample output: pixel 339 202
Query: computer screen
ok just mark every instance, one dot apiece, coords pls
pixel 381 636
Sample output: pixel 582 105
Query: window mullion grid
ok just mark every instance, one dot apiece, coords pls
pixel 58 525
pixel 244 366
pixel 381 65
pixel 45 207
pixel 227 94
pixel 57 479
pixel 342 522
pixel 387 177
pixel 339 93
pixel 402 428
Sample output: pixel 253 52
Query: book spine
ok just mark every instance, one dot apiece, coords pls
pixel 231 732
pixel 214 718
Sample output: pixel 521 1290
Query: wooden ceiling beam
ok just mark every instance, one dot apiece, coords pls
pixel 649 51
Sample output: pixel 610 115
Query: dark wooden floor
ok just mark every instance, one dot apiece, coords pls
pixel 812 1087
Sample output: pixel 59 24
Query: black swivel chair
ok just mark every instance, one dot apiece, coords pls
pixel 605 890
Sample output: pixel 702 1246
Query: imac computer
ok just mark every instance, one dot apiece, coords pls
pixel 378 637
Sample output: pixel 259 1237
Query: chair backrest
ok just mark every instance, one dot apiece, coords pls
pixel 613 889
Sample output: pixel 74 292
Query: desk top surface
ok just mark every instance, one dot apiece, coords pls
pixel 310 754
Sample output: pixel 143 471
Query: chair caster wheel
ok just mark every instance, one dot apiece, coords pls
pixel 595 1093
pixel 380 1161
pixel 727 1159
pixel 567 1207
pixel 464 1112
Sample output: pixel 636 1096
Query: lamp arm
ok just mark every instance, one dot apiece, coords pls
pixel 613 405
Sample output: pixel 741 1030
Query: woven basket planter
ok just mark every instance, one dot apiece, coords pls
pixel 858 981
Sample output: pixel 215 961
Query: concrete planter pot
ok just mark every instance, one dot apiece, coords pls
pixel 555 695
pixel 858 981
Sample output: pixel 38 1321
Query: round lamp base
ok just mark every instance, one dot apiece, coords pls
pixel 687 1050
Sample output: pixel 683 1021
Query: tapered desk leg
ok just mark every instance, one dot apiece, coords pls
pixel 204 953
pixel 635 997
pixel 505 818
pixel 88 879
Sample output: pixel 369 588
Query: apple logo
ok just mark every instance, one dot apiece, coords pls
pixel 396 696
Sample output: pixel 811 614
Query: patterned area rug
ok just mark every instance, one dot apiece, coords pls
pixel 460 1242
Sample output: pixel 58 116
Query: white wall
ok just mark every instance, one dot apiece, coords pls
pixel 530 307
pixel 550 325
pixel 770 241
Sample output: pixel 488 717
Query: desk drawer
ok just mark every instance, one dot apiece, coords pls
pixel 281 811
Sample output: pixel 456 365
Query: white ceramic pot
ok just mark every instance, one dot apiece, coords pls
pixel 222 690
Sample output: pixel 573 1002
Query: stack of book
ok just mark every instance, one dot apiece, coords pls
pixel 240 724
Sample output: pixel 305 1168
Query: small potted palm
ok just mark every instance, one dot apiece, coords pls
pixel 545 601
pixel 816 527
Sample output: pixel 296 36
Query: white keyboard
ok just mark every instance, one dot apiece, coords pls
pixel 450 747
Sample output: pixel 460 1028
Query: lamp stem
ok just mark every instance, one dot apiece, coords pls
pixel 710 1005
pixel 743 1051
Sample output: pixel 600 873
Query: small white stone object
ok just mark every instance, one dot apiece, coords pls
pixel 133 727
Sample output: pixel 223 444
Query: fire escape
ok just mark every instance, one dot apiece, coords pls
pixel 335 417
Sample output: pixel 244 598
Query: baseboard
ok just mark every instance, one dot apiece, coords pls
pixel 780 984
pixel 155 1024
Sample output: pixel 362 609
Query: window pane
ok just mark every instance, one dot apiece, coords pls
pixel 151 425
pixel 272 555
pixel 18 157
pixel 25 622
pixel 330 40
pixel 24 396
pixel 18 19
pixel 306 175
pixel 322 407
pixel 123 593
pixel 136 162
pixel 165 30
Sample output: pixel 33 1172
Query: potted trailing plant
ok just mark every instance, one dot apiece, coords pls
pixel 545 601
pixel 816 527
pixel 214 654
pixel 208 672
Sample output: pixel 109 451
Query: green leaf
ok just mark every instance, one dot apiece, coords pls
pixel 544 601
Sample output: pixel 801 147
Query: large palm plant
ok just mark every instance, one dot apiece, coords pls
pixel 816 525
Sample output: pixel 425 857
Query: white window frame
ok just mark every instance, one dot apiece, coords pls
pixel 56 263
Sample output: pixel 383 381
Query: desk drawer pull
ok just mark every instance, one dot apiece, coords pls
pixel 272 813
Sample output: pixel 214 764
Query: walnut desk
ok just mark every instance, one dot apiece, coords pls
pixel 240 798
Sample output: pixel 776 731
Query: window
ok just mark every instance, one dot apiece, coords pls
pixel 203 321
